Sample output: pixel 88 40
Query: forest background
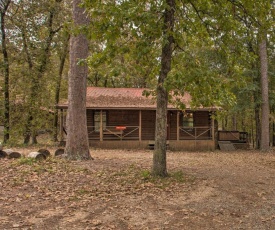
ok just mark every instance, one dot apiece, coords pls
pixel 216 58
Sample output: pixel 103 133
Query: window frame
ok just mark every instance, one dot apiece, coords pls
pixel 188 120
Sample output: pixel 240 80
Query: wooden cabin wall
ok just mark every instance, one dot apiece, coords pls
pixel 123 118
pixel 172 125
pixel 148 122
pixel 202 118
pixel 90 116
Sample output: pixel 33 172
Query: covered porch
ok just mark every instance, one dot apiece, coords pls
pixel 124 128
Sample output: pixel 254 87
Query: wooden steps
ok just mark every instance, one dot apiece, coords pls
pixel 231 146
pixel 226 146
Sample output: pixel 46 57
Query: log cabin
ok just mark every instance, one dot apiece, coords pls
pixel 125 118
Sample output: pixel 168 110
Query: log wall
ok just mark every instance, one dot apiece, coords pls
pixel 148 121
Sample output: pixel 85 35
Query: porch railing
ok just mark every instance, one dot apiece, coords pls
pixel 195 133
pixel 133 132
pixel 114 133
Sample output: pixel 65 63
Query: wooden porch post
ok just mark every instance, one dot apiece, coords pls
pixel 101 126
pixel 140 123
pixel 61 125
pixel 178 125
pixel 213 128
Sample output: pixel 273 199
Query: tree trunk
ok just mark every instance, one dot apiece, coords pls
pixel 34 105
pixel 77 144
pixel 12 154
pixel 258 127
pixel 37 156
pixel 27 133
pixel 264 93
pixel 6 73
pixel 252 133
pixel 159 159
pixel 58 85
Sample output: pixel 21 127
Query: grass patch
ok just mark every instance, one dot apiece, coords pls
pixel 177 176
pixel 145 174
pixel 139 177
pixel 25 161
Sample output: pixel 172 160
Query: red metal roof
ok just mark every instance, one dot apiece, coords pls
pixel 124 98
pixel 98 97
pixel 115 92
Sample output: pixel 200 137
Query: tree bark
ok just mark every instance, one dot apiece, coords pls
pixel 77 144
pixel 264 93
pixel 6 73
pixel 159 158
pixel 257 127
pixel 58 85
pixel 27 133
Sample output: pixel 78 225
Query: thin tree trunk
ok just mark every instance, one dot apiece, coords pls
pixel 27 133
pixel 6 74
pixel 58 85
pixel 264 93
pixel 273 133
pixel 256 99
pixel 159 158
pixel 77 144
pixel 252 133
pixel 36 79
pixel 258 127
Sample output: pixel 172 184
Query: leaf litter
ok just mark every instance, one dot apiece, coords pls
pixel 204 190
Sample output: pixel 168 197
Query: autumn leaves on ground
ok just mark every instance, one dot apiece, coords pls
pixel 211 190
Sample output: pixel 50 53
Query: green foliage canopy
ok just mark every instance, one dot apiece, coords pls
pixel 204 60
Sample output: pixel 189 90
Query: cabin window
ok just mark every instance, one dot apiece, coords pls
pixel 188 119
pixel 97 120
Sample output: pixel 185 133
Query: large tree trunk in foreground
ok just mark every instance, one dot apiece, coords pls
pixel 159 158
pixel 77 145
pixel 264 92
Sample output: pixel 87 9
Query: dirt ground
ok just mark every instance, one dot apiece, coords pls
pixel 205 190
